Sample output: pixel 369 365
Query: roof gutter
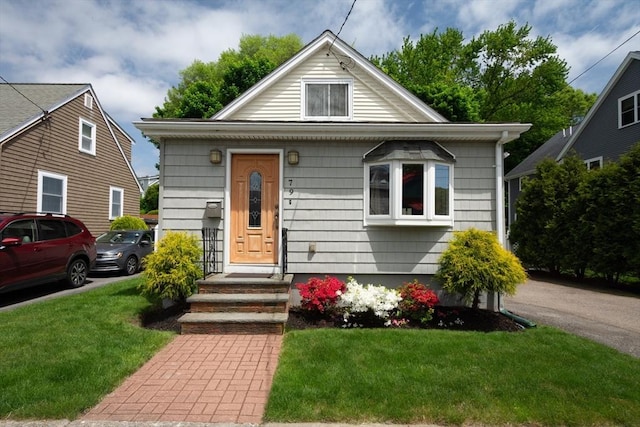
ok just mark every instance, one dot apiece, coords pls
pixel 207 129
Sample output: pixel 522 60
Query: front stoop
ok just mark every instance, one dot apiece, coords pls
pixel 238 305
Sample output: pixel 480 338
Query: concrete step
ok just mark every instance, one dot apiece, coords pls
pixel 221 283
pixel 233 323
pixel 242 303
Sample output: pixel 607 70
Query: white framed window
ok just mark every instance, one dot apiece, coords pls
pixel 88 101
pixel 327 99
pixel 116 202
pixel 52 192
pixel 594 163
pixel 409 192
pixel 629 109
pixel 87 137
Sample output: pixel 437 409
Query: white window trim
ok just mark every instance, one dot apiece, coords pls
pixel 63 178
pixel 395 216
pixel 303 97
pixel 92 151
pixel 598 159
pixel 111 191
pixel 636 116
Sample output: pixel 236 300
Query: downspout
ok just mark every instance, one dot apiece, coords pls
pixel 494 302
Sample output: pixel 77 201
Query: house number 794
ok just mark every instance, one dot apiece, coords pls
pixel 290 189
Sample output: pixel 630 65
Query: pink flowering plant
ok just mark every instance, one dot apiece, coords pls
pixel 417 302
pixel 319 297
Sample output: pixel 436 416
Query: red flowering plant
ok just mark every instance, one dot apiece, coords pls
pixel 319 297
pixel 417 301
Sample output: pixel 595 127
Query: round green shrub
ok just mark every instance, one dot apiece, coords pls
pixel 128 222
pixel 475 262
pixel 172 270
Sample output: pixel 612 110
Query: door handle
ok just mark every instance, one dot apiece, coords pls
pixel 276 217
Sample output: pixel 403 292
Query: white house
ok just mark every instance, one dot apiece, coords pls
pixel 331 166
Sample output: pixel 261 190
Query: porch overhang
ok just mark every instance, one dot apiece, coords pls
pixel 162 129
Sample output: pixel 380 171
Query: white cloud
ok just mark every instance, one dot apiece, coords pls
pixel 132 51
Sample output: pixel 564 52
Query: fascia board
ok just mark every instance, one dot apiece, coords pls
pixel 303 130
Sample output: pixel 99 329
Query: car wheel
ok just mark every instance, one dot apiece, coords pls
pixel 131 267
pixel 77 272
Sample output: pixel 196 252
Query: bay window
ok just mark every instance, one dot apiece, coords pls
pixel 402 188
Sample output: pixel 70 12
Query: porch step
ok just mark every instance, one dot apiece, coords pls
pixel 233 323
pixel 222 284
pixel 239 302
pixel 238 305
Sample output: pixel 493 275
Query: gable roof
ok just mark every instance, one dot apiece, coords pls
pixel 339 49
pixel 21 104
pixel 24 104
pixel 631 56
pixel 550 149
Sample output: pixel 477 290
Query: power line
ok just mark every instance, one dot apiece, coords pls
pixel 342 26
pixel 23 95
pixel 604 57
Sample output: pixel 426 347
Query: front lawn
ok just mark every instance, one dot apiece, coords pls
pixel 541 377
pixel 60 357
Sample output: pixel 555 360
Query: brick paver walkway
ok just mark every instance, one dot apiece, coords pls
pixel 198 378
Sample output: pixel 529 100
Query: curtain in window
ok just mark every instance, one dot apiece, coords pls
pixel 317 100
pixel 442 190
pixel 339 99
pixel 379 190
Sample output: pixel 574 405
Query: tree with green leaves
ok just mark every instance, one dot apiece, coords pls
pixel 206 87
pixel 501 75
pixel 149 201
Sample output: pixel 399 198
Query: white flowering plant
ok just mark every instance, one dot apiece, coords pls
pixel 368 305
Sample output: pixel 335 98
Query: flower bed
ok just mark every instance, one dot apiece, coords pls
pixel 330 303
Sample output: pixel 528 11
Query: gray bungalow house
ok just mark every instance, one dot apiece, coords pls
pixel 609 129
pixel 328 166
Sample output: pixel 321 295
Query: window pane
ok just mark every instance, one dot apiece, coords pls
pixel 50 229
pixel 116 203
pixel 442 190
pixel 317 100
pixel 255 199
pixel 23 230
pixel 379 190
pixel 339 106
pixel 52 189
pixel 627 111
pixel 87 140
pixel 412 189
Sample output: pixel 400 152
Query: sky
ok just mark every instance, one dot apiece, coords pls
pixel 132 51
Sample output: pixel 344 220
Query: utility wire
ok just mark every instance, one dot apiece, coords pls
pixel 342 26
pixel 23 95
pixel 603 58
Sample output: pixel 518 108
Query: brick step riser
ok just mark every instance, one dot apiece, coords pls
pixel 233 328
pixel 204 288
pixel 204 307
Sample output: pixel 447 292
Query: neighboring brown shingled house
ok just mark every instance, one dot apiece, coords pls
pixel 61 152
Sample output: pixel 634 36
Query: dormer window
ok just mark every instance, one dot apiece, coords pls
pixel 327 99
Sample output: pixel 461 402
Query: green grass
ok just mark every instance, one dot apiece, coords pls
pixel 541 376
pixel 60 357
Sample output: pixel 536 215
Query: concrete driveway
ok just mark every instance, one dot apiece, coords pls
pixel 609 317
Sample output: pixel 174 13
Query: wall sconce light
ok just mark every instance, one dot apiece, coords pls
pixel 215 157
pixel 293 157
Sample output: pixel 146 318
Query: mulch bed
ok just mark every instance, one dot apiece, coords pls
pixel 453 318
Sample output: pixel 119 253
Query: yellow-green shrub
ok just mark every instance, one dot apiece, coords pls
pixel 475 262
pixel 128 222
pixel 172 270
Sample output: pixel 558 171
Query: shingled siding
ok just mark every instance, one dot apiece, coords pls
pixel 323 204
pixel 52 146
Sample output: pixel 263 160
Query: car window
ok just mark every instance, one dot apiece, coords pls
pixel 72 228
pixel 118 237
pixel 148 236
pixel 23 229
pixel 51 229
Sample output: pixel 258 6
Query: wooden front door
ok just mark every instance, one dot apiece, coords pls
pixel 254 208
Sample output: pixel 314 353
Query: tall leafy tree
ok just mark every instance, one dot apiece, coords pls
pixel 500 75
pixel 206 87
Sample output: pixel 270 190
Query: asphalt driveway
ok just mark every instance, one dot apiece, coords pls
pixel 610 317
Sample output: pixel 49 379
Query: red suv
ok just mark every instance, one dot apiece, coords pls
pixel 38 248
